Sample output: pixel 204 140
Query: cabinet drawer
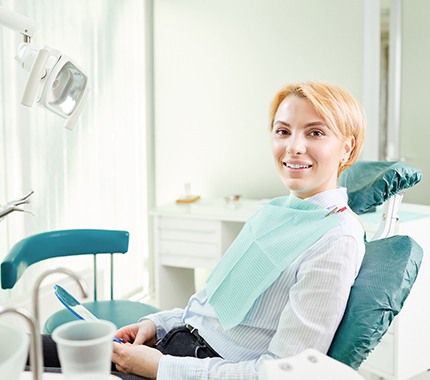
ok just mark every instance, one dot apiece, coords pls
pixel 210 237
pixel 180 248
pixel 183 224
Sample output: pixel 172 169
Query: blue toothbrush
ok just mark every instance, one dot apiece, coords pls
pixel 72 304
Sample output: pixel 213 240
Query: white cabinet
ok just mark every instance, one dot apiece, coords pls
pixel 196 235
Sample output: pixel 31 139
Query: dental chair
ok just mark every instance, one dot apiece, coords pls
pixel 43 246
pixel 390 265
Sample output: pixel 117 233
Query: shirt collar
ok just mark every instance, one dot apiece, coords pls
pixel 330 199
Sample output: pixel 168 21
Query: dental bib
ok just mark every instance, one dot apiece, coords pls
pixel 267 244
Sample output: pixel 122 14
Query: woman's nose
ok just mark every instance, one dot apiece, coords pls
pixel 296 145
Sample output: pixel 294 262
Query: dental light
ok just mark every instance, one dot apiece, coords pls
pixel 55 82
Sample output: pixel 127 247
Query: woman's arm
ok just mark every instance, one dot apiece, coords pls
pixel 165 321
pixel 149 363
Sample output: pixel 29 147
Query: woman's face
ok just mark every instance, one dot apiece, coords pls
pixel 306 151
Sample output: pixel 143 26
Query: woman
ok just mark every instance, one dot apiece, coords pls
pixel 284 283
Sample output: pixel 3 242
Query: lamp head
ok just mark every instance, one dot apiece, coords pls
pixel 55 81
pixel 57 84
pixel 64 88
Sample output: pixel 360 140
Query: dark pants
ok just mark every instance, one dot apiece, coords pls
pixel 185 341
pixel 181 341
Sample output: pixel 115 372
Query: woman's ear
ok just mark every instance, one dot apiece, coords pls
pixel 348 148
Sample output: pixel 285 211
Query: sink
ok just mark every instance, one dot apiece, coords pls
pixel 14 345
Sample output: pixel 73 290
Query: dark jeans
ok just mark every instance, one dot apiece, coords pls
pixel 185 341
pixel 181 341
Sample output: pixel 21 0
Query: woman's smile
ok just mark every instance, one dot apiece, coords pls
pixel 297 165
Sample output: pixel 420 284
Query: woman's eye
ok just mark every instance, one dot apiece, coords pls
pixel 282 132
pixel 317 133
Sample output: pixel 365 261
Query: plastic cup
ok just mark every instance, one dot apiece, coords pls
pixel 85 349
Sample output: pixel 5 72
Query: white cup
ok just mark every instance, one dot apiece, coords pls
pixel 85 349
pixel 13 352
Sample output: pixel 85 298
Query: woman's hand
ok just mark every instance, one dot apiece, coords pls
pixel 134 356
pixel 144 332
pixel 136 359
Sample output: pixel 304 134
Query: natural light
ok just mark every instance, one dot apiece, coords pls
pixel 95 175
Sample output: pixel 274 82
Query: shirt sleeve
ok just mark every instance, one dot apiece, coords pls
pixel 316 305
pixel 318 299
pixel 187 368
pixel 166 320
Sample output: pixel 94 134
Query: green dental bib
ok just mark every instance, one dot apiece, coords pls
pixel 267 244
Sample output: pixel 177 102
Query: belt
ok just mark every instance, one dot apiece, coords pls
pixel 194 331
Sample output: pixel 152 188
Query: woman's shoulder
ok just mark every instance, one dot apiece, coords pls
pixel 351 225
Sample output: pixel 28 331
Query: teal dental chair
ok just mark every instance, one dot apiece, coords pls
pixel 36 248
pixel 390 265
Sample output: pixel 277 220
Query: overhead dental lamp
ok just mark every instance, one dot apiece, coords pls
pixel 55 82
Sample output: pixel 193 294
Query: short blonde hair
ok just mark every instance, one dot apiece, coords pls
pixel 338 108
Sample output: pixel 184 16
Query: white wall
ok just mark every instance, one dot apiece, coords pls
pixel 415 97
pixel 218 63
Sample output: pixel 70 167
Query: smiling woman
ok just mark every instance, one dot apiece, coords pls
pixel 93 176
pixel 312 144
pixel 283 284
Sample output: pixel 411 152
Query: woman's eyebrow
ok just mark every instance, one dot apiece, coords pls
pixel 316 124
pixel 281 122
pixel 311 124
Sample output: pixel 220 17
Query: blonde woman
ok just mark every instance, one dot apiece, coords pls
pixel 283 284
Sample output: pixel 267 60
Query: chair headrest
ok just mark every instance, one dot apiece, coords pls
pixel 371 183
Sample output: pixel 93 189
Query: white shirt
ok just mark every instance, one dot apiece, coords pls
pixel 302 309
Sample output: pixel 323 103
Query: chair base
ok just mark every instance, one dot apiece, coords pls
pixel 119 312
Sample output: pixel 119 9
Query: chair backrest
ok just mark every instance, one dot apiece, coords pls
pixel 390 265
pixel 59 243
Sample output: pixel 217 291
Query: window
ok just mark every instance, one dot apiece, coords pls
pixel 95 175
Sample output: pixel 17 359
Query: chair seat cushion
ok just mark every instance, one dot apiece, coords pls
pixel 390 267
pixel 120 312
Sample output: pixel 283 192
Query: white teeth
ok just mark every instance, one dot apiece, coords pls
pixel 297 166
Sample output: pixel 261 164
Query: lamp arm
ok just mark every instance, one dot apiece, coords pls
pixel 17 22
